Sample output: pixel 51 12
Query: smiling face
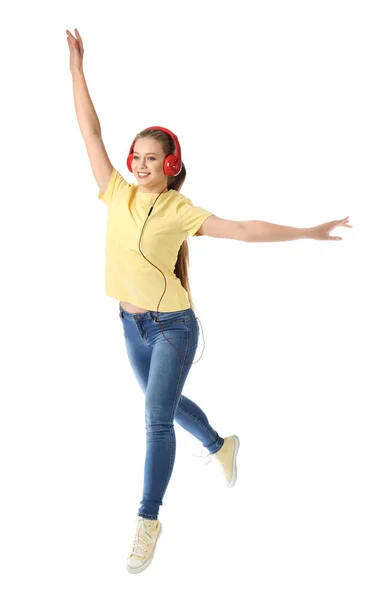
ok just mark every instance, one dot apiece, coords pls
pixel 149 158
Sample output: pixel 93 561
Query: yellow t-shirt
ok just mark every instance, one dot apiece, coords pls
pixel 129 277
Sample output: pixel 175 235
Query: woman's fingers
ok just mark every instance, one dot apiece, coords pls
pixel 345 223
pixel 70 36
pixel 73 37
pixel 77 42
pixel 80 39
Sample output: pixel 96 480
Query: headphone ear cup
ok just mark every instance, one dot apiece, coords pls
pixel 172 165
pixel 129 162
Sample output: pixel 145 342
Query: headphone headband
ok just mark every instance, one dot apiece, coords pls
pixel 172 164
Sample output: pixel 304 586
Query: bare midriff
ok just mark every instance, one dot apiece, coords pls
pixel 132 308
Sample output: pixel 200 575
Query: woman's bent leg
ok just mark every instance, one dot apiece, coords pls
pixel 161 374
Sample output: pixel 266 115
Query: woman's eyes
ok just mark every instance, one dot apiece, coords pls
pixel 151 157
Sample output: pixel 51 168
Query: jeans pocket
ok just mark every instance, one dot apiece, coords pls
pixel 194 331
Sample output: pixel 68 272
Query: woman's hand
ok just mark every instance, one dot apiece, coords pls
pixel 321 232
pixel 76 51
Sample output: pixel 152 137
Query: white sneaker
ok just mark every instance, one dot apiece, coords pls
pixel 145 542
pixel 227 458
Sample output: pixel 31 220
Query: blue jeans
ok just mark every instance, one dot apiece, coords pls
pixel 161 374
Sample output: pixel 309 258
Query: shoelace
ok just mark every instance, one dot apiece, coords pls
pixel 206 455
pixel 142 539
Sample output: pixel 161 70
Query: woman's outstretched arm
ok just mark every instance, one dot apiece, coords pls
pixel 262 231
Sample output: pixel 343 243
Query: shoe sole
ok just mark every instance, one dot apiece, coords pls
pixel 146 564
pixel 234 464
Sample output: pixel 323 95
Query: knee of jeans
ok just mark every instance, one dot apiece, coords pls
pixel 157 424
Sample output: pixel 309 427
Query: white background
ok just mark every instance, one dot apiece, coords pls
pixel 268 100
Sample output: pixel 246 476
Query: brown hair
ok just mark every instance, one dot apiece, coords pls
pixel 173 183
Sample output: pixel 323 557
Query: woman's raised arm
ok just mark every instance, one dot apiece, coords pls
pixel 87 116
pixel 89 124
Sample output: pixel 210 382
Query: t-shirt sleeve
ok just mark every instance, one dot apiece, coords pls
pixel 192 217
pixel 116 186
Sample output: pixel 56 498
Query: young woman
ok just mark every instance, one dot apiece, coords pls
pixel 146 269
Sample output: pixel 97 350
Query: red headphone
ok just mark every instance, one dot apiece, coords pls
pixel 173 163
